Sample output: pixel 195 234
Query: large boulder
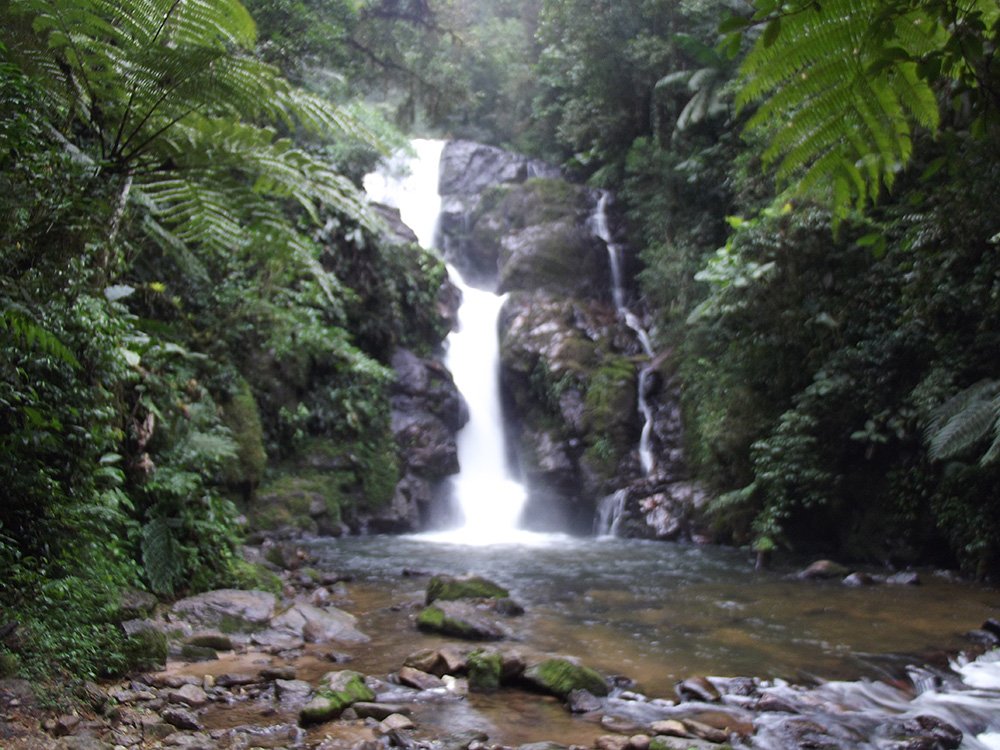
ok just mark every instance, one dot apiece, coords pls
pixel 462 619
pixel 449 588
pixel 229 610
pixel 339 690
pixel 316 625
pixel 561 256
pixel 471 172
pixel 561 677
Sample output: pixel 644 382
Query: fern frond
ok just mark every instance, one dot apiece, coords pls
pixel 161 555
pixel 837 123
pixel 964 420
pixel 33 336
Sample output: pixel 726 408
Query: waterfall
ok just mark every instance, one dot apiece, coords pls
pixel 601 229
pixel 609 513
pixel 489 498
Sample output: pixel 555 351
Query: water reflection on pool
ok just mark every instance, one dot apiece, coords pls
pixel 660 612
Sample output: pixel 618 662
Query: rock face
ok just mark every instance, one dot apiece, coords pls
pixel 427 411
pixel 569 363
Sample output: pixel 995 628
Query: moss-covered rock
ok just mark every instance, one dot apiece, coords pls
pixel 460 619
pixel 560 677
pixel 485 670
pixel 145 650
pixel 339 691
pixel 448 588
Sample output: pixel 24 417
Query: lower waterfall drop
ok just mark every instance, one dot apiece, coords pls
pixel 487 495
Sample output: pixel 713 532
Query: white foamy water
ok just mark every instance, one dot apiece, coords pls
pixel 488 497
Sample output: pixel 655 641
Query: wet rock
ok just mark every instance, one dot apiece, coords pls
pixel 235 679
pixel 461 740
pixel 276 736
pixel 583 702
pixel 561 256
pixel 485 669
pixel 639 742
pixel 769 703
pixel 420 680
pixel 278 673
pixel 83 742
pixel 560 677
pixel 339 690
pixel 461 619
pixel 427 660
pixel 316 625
pixel 226 609
pixel 858 579
pixel 180 718
pixel 210 639
pixel 287 555
pixel 922 733
pixel 823 569
pixel 396 723
pixel 620 725
pixel 905 578
pixel 669 728
pixel 379 711
pixel 292 691
pixel 65 724
pixel 189 652
pixel 992 626
pixel 678 743
pixel 135 604
pixel 697 689
pixel 189 695
pixel 611 742
pixel 727 723
pixel 192 741
pixel 543 746
pixel 449 588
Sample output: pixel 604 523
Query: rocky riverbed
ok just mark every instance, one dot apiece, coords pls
pixel 239 669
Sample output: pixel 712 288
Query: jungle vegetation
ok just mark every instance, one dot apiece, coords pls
pixel 186 266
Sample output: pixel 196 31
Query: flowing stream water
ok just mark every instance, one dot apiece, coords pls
pixel 656 612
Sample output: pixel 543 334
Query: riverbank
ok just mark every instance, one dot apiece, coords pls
pixel 266 658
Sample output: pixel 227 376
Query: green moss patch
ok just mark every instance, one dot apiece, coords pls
pixel 560 677
pixel 447 588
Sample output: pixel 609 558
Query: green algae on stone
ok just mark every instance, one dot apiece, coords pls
pixel 560 677
pixel 460 620
pixel 447 588
pixel 485 668
pixel 342 690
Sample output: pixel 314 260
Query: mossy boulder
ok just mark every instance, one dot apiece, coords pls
pixel 339 691
pixel 448 588
pixel 460 619
pixel 485 670
pixel 145 650
pixel 561 256
pixel 560 677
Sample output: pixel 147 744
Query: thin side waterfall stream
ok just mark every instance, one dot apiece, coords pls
pixel 653 611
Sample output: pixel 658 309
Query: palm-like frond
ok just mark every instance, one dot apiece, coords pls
pixel 964 421
pixel 838 113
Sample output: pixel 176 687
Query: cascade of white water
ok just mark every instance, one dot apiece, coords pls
pixel 488 497
pixel 602 230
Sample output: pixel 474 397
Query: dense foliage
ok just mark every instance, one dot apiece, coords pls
pixel 187 271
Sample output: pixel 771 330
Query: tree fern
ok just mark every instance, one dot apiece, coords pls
pixel 162 555
pixel 30 335
pixel 965 421
pixel 170 95
pixel 838 100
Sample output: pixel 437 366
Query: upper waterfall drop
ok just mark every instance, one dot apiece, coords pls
pixel 488 496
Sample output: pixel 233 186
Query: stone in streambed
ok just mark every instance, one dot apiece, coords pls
pixel 189 695
pixel 210 639
pixel 485 669
pixel 560 677
pixel 420 680
pixel 461 620
pixel 697 689
pixel 823 569
pixel 181 718
pixel 229 610
pixel 662 742
pixel 449 588
pixel 339 691
pixel 378 711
